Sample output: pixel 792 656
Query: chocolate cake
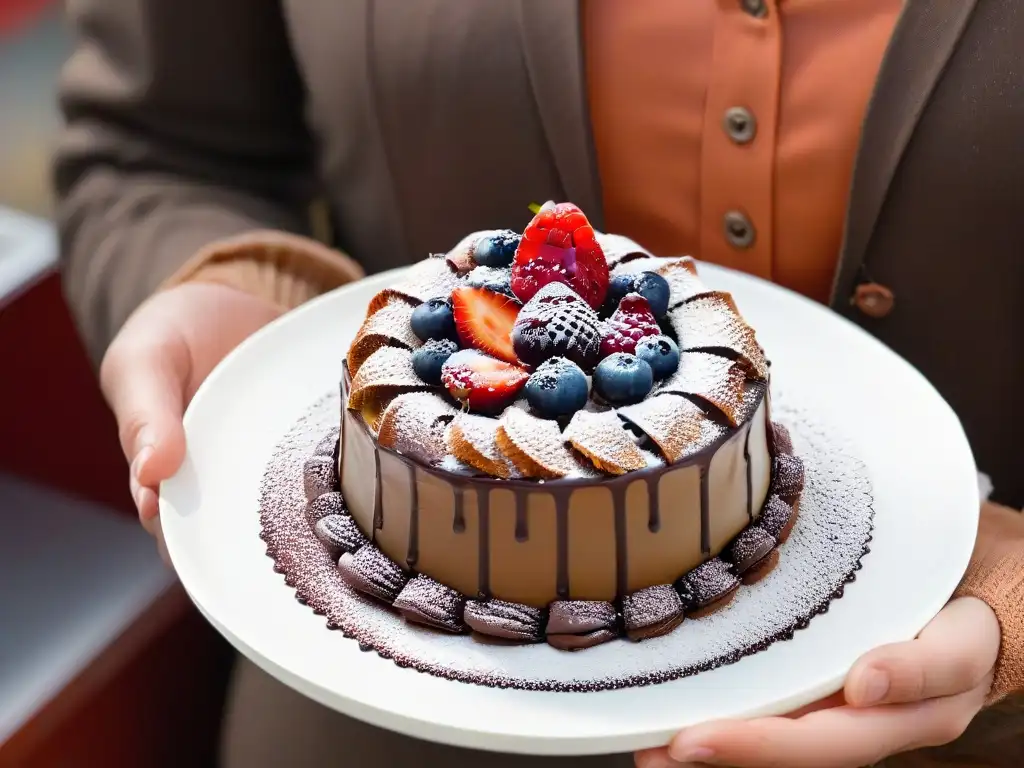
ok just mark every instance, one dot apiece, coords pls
pixel 554 436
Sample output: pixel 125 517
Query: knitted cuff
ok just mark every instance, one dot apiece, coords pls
pixel 282 268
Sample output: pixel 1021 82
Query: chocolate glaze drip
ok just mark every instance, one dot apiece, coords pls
pixel 341 438
pixel 459 518
pixel 378 493
pixel 562 522
pixel 483 507
pixel 653 502
pixel 705 511
pixel 413 552
pixel 621 553
pixel 522 524
pixel 750 479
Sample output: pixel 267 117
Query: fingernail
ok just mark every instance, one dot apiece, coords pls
pixel 140 459
pixel 656 760
pixel 875 688
pixel 683 753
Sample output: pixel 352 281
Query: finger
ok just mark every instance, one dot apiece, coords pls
pixel 843 737
pixel 953 654
pixel 143 380
pixel 658 758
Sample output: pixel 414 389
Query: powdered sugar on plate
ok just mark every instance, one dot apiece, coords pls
pixel 820 558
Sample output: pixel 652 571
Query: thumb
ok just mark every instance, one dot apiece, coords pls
pixel 144 382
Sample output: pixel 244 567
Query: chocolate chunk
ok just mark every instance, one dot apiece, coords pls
pixel 748 549
pixel 328 446
pixel 429 602
pixel 709 583
pixel 781 439
pixel 371 572
pixel 509 621
pixel 578 617
pixel 579 642
pixel 777 518
pixel 761 569
pixel 339 533
pixel 651 612
pixel 319 476
pixel 788 478
pixel 326 504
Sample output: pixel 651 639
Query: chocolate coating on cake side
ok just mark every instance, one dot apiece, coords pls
pixel 426 601
pixel 748 549
pixel 652 611
pixel 788 477
pixel 339 534
pixel 509 621
pixel 319 476
pixel 371 572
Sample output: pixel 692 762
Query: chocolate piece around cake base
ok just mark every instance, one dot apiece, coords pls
pixel 504 620
pixel 652 612
pixel 370 572
pixel 428 602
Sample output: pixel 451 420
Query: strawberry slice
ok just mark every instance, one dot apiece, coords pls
pixel 481 383
pixel 484 321
pixel 559 245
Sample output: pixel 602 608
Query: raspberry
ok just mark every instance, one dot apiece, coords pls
pixel 632 321
pixel 556 322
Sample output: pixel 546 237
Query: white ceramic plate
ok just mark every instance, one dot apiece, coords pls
pixel 926 505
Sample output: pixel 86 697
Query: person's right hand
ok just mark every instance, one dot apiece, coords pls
pixel 154 366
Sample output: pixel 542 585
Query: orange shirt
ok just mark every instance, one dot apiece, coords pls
pixel 727 129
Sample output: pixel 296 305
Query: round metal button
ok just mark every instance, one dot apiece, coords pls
pixel 740 124
pixel 874 299
pixel 738 230
pixel 756 8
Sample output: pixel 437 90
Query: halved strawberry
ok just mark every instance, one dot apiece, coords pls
pixel 481 383
pixel 484 321
pixel 559 245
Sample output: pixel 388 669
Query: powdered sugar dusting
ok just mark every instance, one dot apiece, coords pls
pixel 675 424
pixel 473 440
pixel 389 325
pixel 414 424
pixel 389 368
pixel 679 272
pixel 712 322
pixel 619 248
pixel 603 439
pixel 536 446
pixel 717 379
pixel 821 556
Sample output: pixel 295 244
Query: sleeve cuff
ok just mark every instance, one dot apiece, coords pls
pixel 282 268
pixel 996 576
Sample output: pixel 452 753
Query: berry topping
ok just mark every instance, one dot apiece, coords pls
pixel 557 388
pixel 559 246
pixel 481 383
pixel 428 359
pixel 556 322
pixel 433 319
pixel 484 320
pixel 496 250
pixel 632 321
pixel 494 279
pixel 654 288
pixel 623 379
pixel 660 352
pixel 618 287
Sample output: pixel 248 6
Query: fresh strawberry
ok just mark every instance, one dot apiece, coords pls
pixel 481 383
pixel 484 320
pixel 559 245
pixel 631 322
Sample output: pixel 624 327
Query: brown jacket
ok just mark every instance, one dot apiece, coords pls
pixel 191 121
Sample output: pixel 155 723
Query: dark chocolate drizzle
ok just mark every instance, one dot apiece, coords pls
pixel 654 504
pixel 522 520
pixel 562 524
pixel 378 495
pixel 621 551
pixel 459 516
pixel 750 478
pixel 705 511
pixel 483 509
pixel 412 555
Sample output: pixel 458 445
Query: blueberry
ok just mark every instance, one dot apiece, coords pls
pixel 654 288
pixel 623 379
pixel 661 353
pixel 497 250
pixel 557 388
pixel 433 319
pixel 428 359
pixel 618 287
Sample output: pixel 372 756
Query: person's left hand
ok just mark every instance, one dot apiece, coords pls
pixel 896 698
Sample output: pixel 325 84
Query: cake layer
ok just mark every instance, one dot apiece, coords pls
pixel 535 542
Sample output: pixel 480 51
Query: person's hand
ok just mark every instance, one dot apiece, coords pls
pixel 154 366
pixel 896 698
